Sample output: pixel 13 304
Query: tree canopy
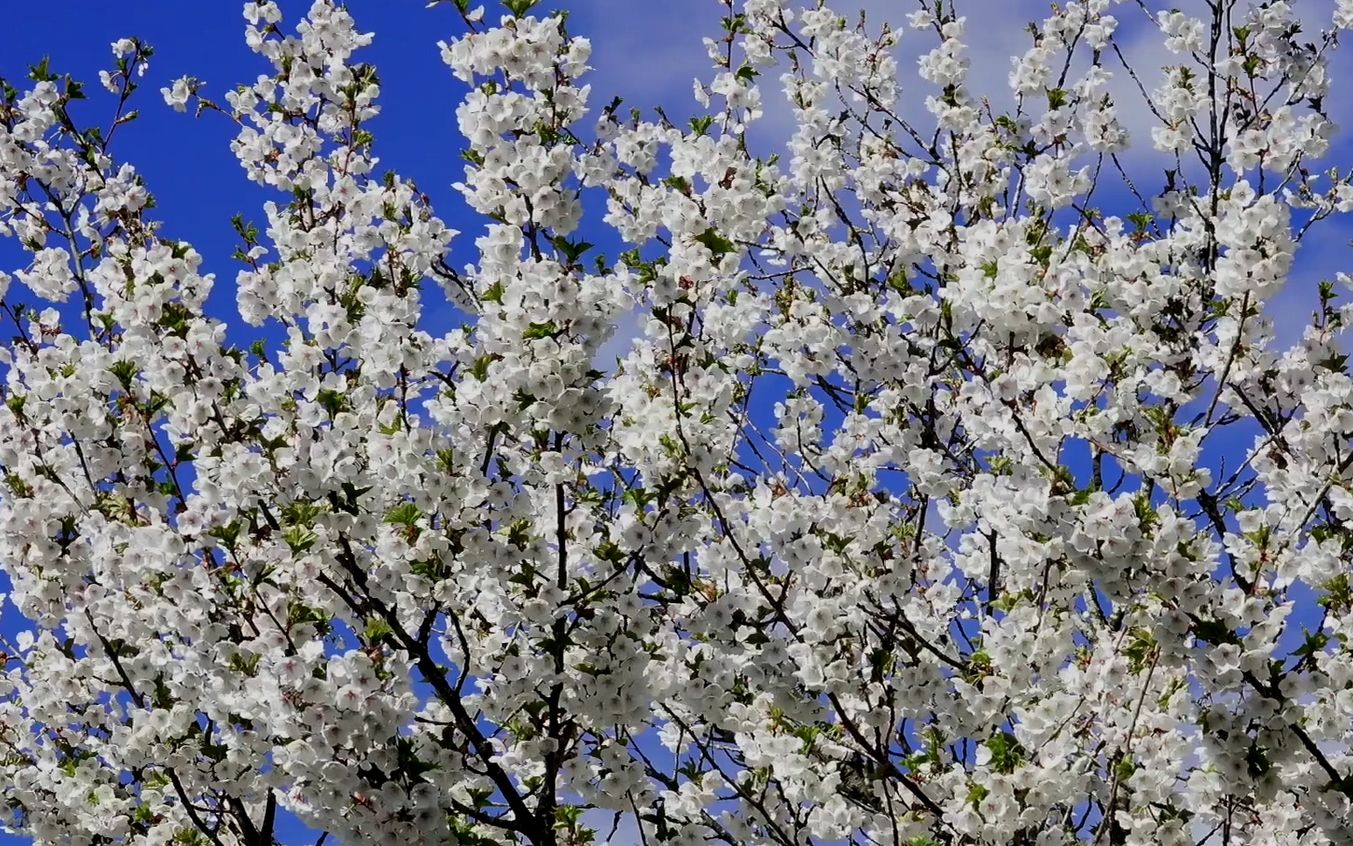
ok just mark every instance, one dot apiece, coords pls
pixel 928 477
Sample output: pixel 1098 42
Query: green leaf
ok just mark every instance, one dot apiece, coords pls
pixel 228 534
pixel 246 664
pixel 1315 642
pixel 376 629
pixel 979 665
pixel 404 514
pixel 572 250
pixel 431 570
pixel 1338 594
pixel 1007 602
pixel 301 512
pixel 540 330
pixel 611 552
pixel 638 497
pixel 1337 363
pixel 1007 753
pixel 480 369
pixel 42 71
pixel 1139 649
pixel 125 371
pixel 299 538
pixel 1214 631
pixel 976 794
pixel 332 401
pixel 715 243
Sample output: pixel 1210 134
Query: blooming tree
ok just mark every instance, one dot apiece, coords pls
pixel 930 502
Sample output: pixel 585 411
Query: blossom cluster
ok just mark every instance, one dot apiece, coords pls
pixel 898 519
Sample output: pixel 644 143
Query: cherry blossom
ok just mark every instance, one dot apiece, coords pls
pixel 869 492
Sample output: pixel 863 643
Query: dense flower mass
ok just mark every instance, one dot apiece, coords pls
pixel 951 488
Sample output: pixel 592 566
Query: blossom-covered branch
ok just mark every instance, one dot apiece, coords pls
pixel 951 490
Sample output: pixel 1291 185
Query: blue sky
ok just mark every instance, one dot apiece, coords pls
pixel 647 51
